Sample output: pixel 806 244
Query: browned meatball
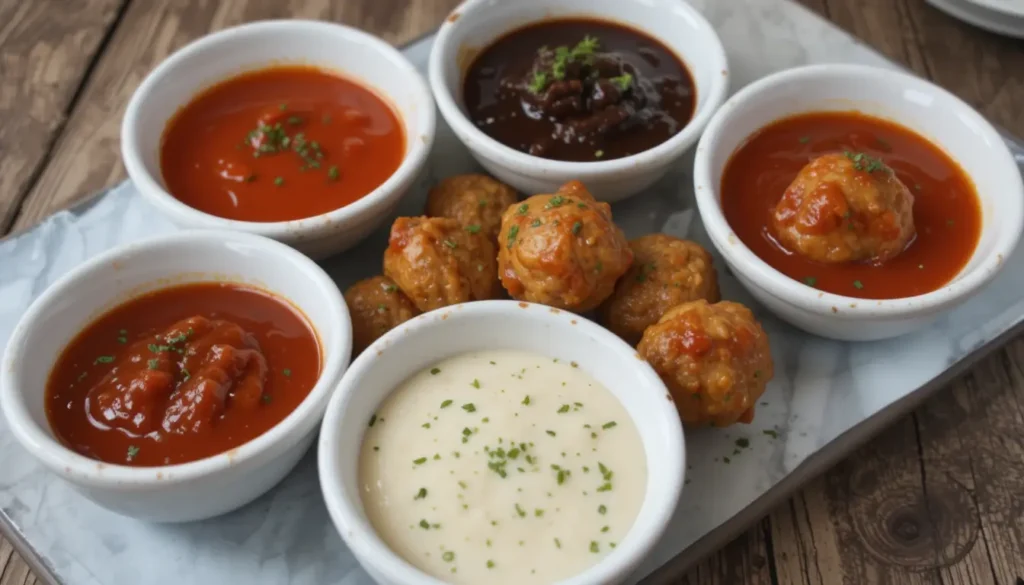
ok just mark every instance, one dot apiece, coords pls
pixel 562 250
pixel 666 272
pixel 437 262
pixel 714 359
pixel 475 201
pixel 845 207
pixel 376 306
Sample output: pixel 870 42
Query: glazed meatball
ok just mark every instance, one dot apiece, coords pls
pixel 377 306
pixel 845 208
pixel 714 359
pixel 437 262
pixel 472 200
pixel 562 250
pixel 666 272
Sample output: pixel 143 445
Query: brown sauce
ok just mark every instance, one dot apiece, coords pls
pixel 579 90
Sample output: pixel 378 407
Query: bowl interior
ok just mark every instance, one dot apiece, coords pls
pixel 505 325
pixel 145 267
pixel 913 103
pixel 673 25
pixel 213 59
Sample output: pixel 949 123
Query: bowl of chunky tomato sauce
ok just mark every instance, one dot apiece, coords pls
pixel 305 132
pixel 178 378
pixel 857 203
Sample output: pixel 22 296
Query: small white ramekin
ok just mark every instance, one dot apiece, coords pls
pixel 475 24
pixel 923 107
pixel 221 55
pixel 203 488
pixel 452 331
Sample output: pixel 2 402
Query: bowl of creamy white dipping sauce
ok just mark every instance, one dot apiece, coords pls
pixel 503 443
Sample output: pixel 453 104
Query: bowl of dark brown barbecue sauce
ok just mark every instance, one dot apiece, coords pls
pixel 611 94
pixel 579 90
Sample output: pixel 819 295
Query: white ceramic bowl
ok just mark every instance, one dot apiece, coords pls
pixel 229 52
pixel 526 327
pixel 475 24
pixel 914 103
pixel 204 488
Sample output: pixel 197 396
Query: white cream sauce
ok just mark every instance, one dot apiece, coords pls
pixel 502 467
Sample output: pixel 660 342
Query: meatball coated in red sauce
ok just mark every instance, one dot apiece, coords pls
pixel 666 272
pixel 181 379
pixel 475 201
pixel 181 374
pixel 438 262
pixel 562 250
pixel 714 359
pixel 845 207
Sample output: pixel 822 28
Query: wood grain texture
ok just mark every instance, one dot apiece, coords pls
pixel 46 47
pixel 87 156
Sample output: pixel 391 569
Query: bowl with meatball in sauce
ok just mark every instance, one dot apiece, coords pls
pixel 177 378
pixel 305 132
pixel 857 203
pixel 608 92
pixel 501 442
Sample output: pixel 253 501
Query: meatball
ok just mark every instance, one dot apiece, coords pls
pixel 377 306
pixel 437 262
pixel 845 207
pixel 666 272
pixel 714 359
pixel 562 250
pixel 472 200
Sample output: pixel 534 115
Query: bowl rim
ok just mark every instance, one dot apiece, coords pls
pixel 419 139
pixel 348 518
pixel 792 292
pixel 713 58
pixel 38 439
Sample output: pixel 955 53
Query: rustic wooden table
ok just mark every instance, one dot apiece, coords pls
pixel 937 498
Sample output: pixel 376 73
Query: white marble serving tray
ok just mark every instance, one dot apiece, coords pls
pixel 826 397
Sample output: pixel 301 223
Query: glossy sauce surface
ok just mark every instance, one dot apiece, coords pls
pixel 579 90
pixel 502 467
pixel 280 144
pixel 181 374
pixel 946 211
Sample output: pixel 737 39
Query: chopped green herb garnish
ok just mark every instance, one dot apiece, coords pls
pixel 523 209
pixel 435 371
pixel 446 404
pixel 279 181
pixel 122 339
pixel 473 228
pixel 513 232
pixel 104 359
pixel 597 154
pixel 539 81
pixel 605 487
pixel 520 511
pixel 576 227
pixel 333 173
pixel 373 419
pixel 602 509
pixel 552 433
pixel 132 452
pixel 266 399
pixel 558 543
pixel 153 364
pixel 526 401
pixel 810 280
pixel 864 162
pixel 556 201
pixel 563 408
pixel 287 372
pixel 742 443
pixel 623 82
pixel 421 494
pixel 451 244
pixel 469 407
pixel 475 383
pixel 594 547
pixel 858 284
pixel 609 424
pixel 419 461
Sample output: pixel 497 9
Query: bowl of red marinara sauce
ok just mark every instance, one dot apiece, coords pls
pixel 305 132
pixel 177 378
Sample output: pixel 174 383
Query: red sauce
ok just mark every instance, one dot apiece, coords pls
pixel 280 144
pixel 181 374
pixel 946 209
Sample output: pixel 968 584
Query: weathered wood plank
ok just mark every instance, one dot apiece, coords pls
pixel 744 560
pixel 46 47
pixel 87 156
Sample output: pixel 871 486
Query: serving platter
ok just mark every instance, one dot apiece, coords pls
pixel 827 396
